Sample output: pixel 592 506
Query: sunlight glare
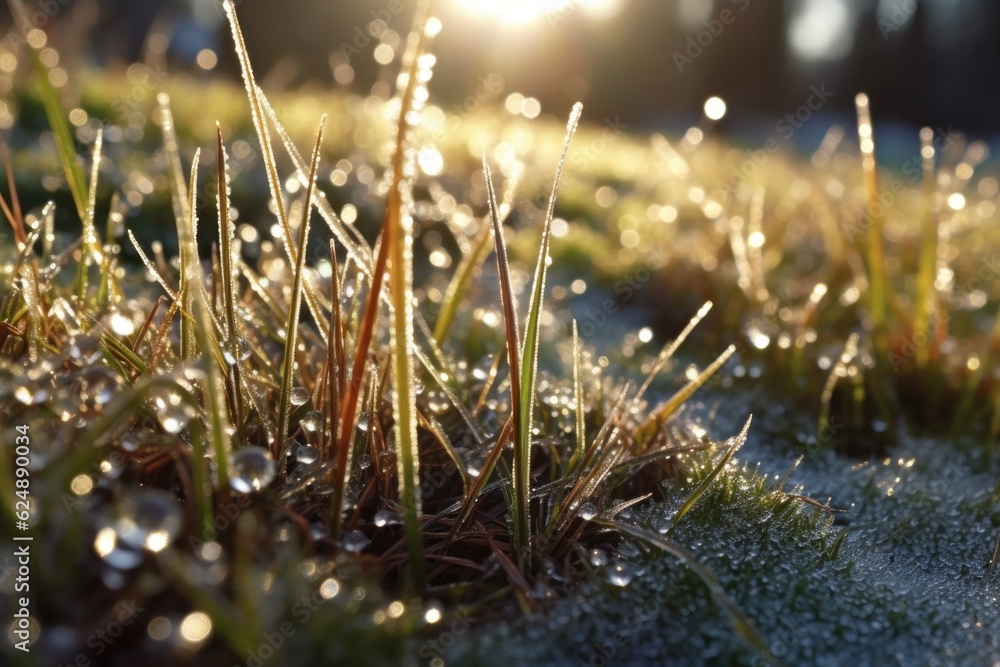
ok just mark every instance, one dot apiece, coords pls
pixel 523 11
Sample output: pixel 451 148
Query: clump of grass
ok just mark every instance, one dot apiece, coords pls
pixel 366 442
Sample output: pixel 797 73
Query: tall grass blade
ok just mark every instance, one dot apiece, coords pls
pixel 668 351
pixel 270 165
pixel 529 363
pixel 229 260
pixel 875 223
pixel 467 268
pixel 700 490
pixel 90 251
pixel 581 410
pixel 397 235
pixel 187 234
pixel 295 307
pixel 56 116
pixel 214 389
pixel 925 302
pixel 660 416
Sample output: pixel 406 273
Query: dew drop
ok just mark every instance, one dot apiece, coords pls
pixel 252 469
pixel 149 520
pixel 312 421
pixel 354 541
pixel 620 574
pixel 306 454
pixel 386 518
pixel 598 557
pixel 299 396
pixel 171 411
pixel 587 511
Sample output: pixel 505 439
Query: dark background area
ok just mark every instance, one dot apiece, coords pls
pixel 650 63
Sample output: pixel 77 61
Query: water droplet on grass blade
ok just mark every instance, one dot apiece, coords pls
pixel 598 557
pixel 252 469
pixel 354 541
pixel 148 520
pixel 386 518
pixel 587 511
pixel 306 454
pixel 312 421
pixel 299 396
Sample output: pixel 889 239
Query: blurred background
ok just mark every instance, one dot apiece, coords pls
pixel 648 65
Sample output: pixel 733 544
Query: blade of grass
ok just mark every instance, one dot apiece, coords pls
pixel 668 351
pixel 294 309
pixel 56 116
pixel 91 242
pixel 335 371
pixel 270 164
pixel 660 416
pixel 529 366
pixel 187 233
pixel 581 433
pixel 214 389
pixel 700 490
pixel 229 259
pixel 875 222
pixel 470 264
pixel 924 301
pixel 397 234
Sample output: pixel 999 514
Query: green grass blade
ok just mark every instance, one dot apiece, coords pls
pixel 660 416
pixel 229 260
pixel 741 624
pixel 581 432
pixel 700 490
pixel 187 227
pixel 57 118
pixel 295 307
pixel 924 305
pixel 460 283
pixel 179 191
pixel 876 224
pixel 214 388
pixel 668 351
pixel 91 243
pixel 270 164
pixel 466 271
pixel 529 363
